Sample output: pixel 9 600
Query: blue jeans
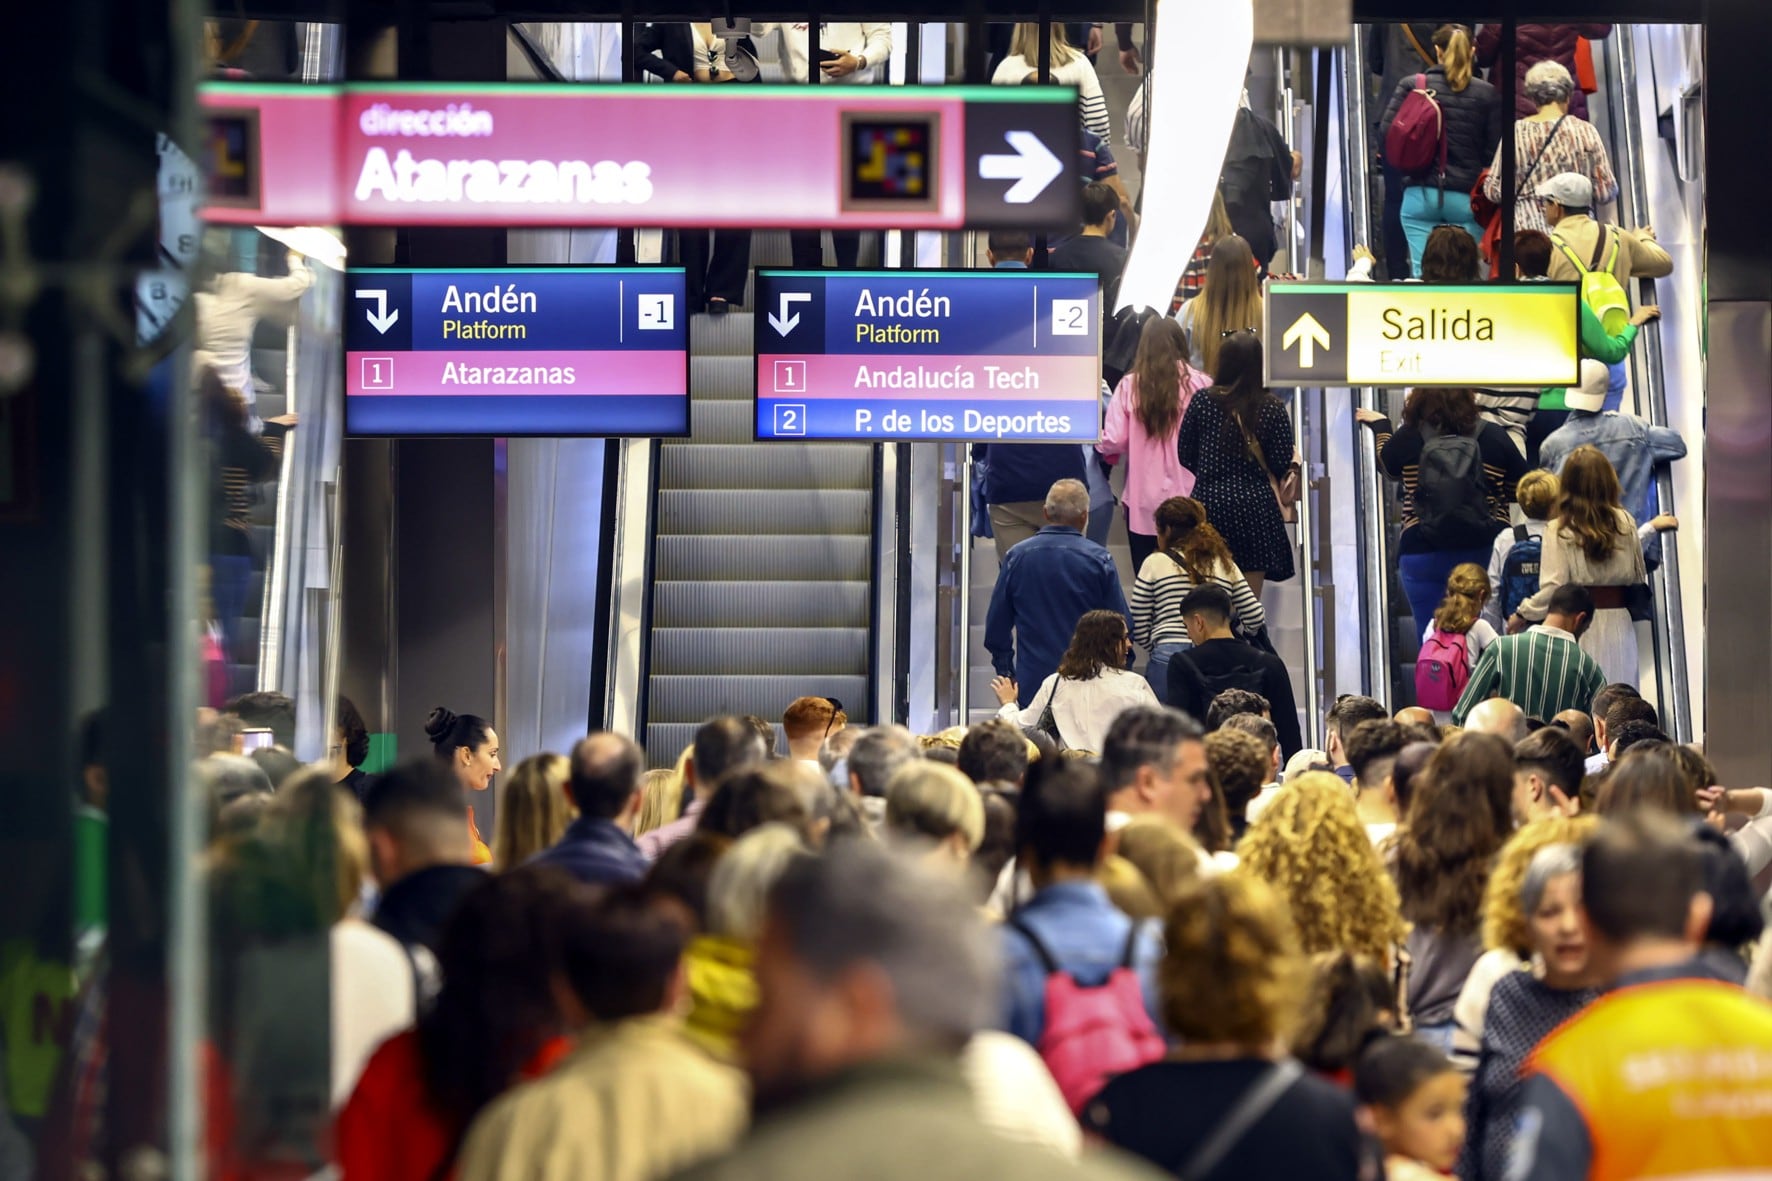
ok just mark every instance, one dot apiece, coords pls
pixel 1425 208
pixel 1156 669
pixel 1615 385
pixel 229 577
pixel 1424 578
pixel 1438 1036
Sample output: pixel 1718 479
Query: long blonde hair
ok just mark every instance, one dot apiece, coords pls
pixel 1467 590
pixel 661 798
pixel 1229 302
pixel 533 810
pixel 1309 843
pixel 1454 44
pixel 1588 510
pixel 1025 43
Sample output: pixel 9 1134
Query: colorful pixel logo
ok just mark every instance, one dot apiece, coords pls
pixel 891 161
pixel 231 158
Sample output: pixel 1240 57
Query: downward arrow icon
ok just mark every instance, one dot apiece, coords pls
pixel 1308 334
pixel 787 323
pixel 380 319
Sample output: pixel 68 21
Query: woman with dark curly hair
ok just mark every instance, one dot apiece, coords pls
pixel 1232 984
pixel 1090 689
pixel 1460 817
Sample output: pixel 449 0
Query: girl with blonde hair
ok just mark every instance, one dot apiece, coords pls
pixel 1229 301
pixel 1069 67
pixel 1458 624
pixel 662 800
pixel 1593 542
pixel 1309 845
pixel 533 810
pixel 1537 494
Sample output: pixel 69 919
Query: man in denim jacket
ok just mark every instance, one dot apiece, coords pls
pixel 1633 446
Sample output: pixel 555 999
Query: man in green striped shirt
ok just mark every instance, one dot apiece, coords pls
pixel 1543 669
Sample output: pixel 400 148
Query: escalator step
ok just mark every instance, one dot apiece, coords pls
pixel 753 651
pixel 696 558
pixel 721 336
pixel 760 604
pixel 722 379
pixel 722 422
pixel 697 698
pixel 724 513
pixel 793 465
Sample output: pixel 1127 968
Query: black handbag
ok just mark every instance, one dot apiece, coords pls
pixel 1047 724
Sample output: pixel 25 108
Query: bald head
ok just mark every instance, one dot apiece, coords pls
pixel 1415 715
pixel 1067 503
pixel 605 777
pixel 1580 727
pixel 1500 717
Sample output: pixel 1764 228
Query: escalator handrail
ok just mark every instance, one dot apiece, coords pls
pixel 1374 572
pixel 1668 626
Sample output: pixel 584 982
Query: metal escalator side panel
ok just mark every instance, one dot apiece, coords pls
pixel 629 625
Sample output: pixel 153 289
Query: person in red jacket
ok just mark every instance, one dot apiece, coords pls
pixel 1534 44
pixel 494 1023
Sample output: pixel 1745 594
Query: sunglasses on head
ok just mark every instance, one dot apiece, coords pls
pixel 1238 332
pixel 836 708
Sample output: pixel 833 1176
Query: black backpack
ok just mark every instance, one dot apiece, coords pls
pixel 1451 492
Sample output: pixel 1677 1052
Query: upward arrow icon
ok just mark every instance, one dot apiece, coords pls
pixel 1309 335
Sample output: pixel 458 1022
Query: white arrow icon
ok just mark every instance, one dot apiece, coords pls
pixel 1308 335
pixel 380 319
pixel 787 323
pixel 1032 167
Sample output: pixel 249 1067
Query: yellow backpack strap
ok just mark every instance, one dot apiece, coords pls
pixel 1570 254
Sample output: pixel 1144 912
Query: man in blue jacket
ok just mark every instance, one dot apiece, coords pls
pixel 605 782
pixel 1015 476
pixel 1046 584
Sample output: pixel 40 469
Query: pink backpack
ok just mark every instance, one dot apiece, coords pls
pixel 1442 670
pixel 1093 1034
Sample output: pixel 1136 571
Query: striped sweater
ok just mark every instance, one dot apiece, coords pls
pixel 1163 583
pixel 1399 452
pixel 1542 670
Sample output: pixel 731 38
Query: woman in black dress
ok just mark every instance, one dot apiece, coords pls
pixel 1234 438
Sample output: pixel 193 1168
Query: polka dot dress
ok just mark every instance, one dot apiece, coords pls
pixel 1238 498
pixel 1523 1010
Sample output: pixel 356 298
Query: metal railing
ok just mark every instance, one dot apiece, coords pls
pixel 1648 380
pixel 1369 482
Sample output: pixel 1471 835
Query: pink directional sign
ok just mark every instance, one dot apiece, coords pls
pixel 543 155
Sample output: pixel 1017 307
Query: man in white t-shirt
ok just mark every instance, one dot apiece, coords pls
pixel 848 53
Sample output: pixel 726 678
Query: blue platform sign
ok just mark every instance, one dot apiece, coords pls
pixel 1000 356
pixel 558 351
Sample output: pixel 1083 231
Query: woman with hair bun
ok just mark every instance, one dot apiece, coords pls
pixel 470 746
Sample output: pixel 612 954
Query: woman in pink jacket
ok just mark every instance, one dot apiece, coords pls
pixel 1143 419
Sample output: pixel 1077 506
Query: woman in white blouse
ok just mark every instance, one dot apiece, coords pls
pixel 1069 68
pixel 1089 690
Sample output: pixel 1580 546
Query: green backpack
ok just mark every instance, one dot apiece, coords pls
pixel 1600 288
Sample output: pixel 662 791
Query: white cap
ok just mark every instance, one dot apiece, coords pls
pixel 1571 190
pixel 1590 395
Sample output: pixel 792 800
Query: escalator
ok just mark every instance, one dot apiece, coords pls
pixel 1392 640
pixel 761 588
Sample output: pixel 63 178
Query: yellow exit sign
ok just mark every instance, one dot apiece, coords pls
pixel 1410 334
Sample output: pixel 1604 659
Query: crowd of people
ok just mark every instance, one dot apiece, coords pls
pixel 1178 951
